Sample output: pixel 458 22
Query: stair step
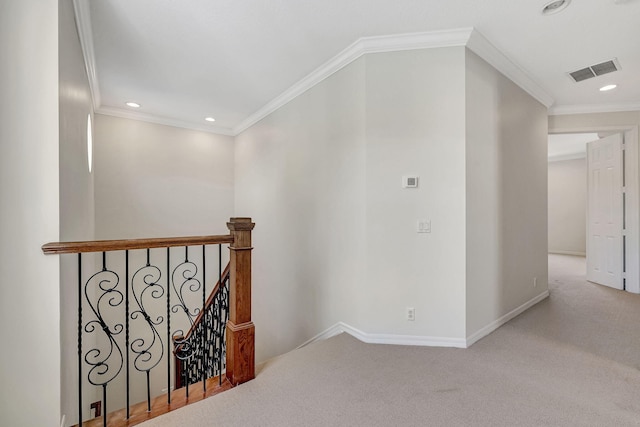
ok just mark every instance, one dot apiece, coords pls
pixel 159 406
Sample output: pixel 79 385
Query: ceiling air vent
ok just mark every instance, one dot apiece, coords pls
pixel 595 70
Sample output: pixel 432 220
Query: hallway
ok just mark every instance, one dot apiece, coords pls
pixel 572 359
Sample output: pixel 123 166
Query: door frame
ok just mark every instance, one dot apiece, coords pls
pixel 632 198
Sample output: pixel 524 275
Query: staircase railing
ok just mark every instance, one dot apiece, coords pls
pixel 199 354
pixel 135 299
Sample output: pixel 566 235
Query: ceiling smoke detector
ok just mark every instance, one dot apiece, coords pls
pixel 555 6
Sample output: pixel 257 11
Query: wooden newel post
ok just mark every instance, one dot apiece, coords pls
pixel 240 328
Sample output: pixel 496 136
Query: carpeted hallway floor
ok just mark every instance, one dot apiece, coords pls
pixel 571 360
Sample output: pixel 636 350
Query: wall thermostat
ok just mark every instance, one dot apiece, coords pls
pixel 410 181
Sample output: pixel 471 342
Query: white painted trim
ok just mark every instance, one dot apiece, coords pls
pixel 150 118
pixel 458 37
pixel 445 38
pixel 559 110
pixel 334 330
pixel 362 46
pixel 632 204
pixel 83 24
pixel 570 156
pixel 573 253
pixel 504 319
pixel 487 51
pixel 393 339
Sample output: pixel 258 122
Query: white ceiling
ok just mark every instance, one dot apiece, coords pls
pixel 229 59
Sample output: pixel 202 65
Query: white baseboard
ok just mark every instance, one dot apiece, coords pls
pixel 394 339
pixel 334 330
pixel 567 253
pixel 419 340
pixel 504 319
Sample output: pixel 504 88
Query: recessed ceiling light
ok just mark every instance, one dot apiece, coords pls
pixel 210 119
pixel 555 6
pixel 133 104
pixel 608 87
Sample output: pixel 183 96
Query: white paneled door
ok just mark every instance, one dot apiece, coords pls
pixel 605 220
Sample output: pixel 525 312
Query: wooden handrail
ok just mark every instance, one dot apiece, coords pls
pixel 121 245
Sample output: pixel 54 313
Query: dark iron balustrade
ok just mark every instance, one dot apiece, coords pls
pixel 200 354
pixel 136 299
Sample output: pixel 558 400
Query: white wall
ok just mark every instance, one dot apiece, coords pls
pixel 506 195
pixel 300 174
pixel 415 125
pixel 76 201
pixel 29 211
pixel 159 181
pixel 560 123
pixel 335 236
pixel 568 207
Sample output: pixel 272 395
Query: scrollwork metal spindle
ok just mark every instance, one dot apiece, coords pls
pixel 149 351
pixel 207 336
pixel 184 279
pixel 107 363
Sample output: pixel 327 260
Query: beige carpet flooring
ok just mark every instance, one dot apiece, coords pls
pixel 572 360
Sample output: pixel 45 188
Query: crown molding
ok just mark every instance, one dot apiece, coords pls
pixel 83 24
pixel 447 38
pixel 468 37
pixel 150 118
pixel 559 110
pixel 360 47
pixel 483 48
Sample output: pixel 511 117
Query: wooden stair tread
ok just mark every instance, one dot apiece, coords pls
pixel 138 413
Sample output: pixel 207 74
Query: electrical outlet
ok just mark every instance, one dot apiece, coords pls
pixel 411 313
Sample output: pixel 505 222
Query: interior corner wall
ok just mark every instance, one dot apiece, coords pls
pixel 300 174
pixel 568 207
pixel 506 155
pixel 153 180
pixel 76 200
pixel 415 126
pixel 335 237
pixel 29 213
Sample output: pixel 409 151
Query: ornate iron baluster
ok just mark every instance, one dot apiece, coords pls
pixel 149 352
pixel 185 350
pixel 126 327
pixel 204 325
pixel 80 339
pixel 168 326
pixel 105 365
